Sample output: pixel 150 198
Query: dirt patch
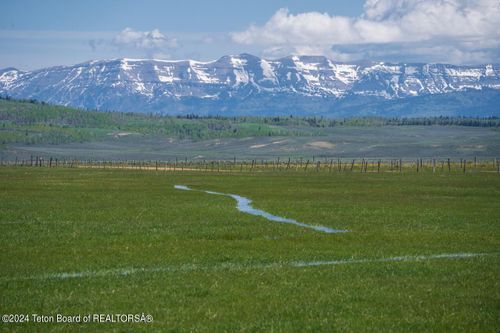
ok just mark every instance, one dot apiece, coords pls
pixel 322 144
pixel 259 146
pixel 121 134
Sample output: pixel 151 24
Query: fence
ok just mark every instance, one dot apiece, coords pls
pixel 330 165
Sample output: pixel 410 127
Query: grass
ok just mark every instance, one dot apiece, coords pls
pixel 32 127
pixel 209 257
pixel 345 142
pixel 37 129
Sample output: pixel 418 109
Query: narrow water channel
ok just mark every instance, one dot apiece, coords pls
pixel 245 205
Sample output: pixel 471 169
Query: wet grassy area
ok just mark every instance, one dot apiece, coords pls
pixel 79 241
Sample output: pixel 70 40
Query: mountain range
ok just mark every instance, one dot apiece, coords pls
pixel 248 85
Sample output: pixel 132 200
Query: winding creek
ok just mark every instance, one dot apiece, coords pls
pixel 245 205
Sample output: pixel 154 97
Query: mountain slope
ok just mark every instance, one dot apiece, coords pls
pixel 242 84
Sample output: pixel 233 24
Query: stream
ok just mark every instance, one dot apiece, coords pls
pixel 245 205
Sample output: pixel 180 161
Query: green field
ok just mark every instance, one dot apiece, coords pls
pixel 345 142
pixel 35 129
pixel 81 241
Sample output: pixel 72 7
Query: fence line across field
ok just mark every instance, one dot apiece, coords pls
pixel 324 164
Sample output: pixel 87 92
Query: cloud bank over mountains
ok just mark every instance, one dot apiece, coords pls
pixel 153 39
pixel 457 31
pixel 460 32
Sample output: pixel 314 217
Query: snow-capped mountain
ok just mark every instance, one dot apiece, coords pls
pixel 243 84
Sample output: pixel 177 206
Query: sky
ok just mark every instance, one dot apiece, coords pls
pixel 36 34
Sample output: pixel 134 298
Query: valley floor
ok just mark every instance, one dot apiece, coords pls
pixel 422 252
pixel 344 142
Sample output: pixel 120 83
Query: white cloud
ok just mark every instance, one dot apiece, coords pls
pixel 153 39
pixel 466 26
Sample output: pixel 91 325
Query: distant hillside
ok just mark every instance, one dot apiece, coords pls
pixel 471 103
pixel 32 122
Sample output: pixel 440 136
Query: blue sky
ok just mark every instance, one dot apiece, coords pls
pixel 36 34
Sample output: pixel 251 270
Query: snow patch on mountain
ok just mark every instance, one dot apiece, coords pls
pixel 241 75
pixel 268 71
pixel 8 77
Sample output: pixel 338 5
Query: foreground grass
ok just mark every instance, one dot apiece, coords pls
pixel 63 220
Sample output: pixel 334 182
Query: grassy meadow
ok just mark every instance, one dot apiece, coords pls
pixel 30 128
pixel 80 241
